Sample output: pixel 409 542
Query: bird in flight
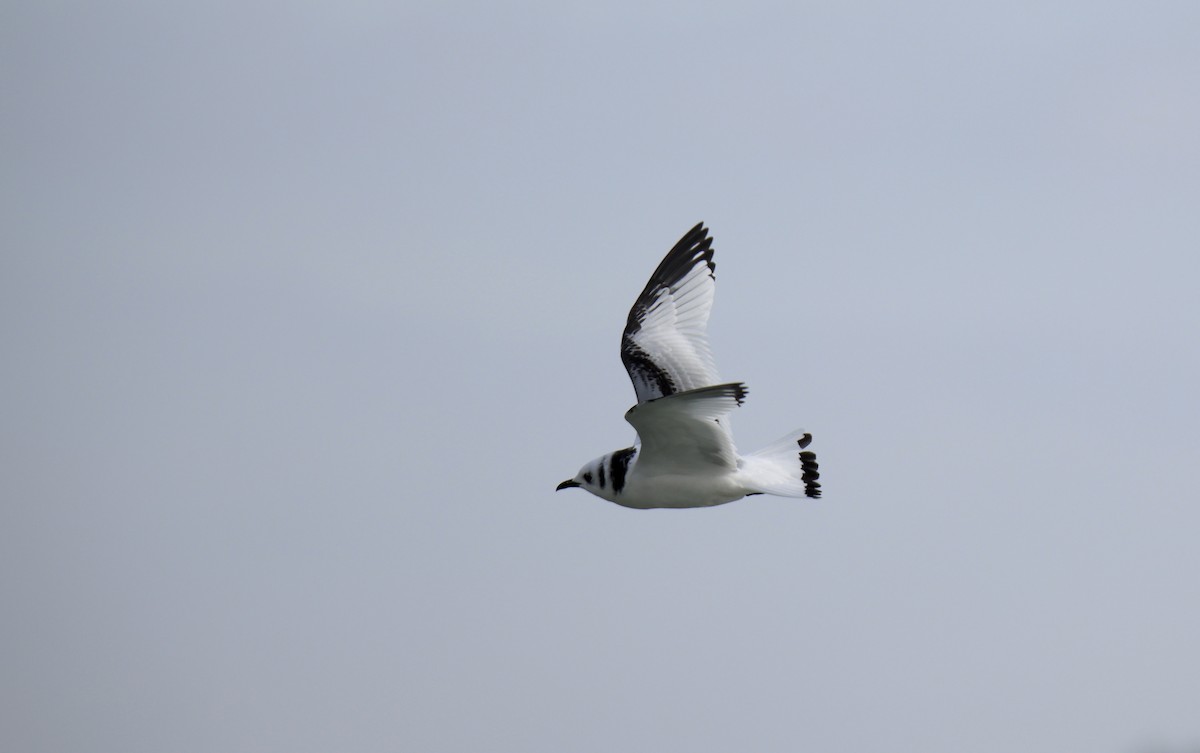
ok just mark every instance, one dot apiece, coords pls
pixel 684 455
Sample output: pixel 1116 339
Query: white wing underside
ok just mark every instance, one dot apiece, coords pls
pixel 688 432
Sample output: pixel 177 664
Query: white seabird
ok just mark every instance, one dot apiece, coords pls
pixel 684 455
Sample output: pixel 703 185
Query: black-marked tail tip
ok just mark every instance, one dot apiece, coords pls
pixel 808 463
pixel 569 483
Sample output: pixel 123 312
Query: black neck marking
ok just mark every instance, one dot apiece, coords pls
pixel 620 466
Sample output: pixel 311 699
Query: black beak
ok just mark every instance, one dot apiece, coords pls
pixel 567 484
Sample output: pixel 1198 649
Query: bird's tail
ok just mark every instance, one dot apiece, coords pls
pixel 785 468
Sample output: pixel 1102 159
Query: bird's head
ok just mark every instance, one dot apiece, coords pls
pixel 587 479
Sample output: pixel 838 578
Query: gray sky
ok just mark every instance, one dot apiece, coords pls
pixel 305 309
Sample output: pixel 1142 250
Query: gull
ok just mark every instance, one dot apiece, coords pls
pixel 684 455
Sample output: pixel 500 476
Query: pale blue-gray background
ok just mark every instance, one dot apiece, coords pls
pixel 306 308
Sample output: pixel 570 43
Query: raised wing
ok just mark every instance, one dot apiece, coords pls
pixel 687 432
pixel 665 344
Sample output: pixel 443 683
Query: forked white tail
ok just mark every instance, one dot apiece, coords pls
pixel 784 468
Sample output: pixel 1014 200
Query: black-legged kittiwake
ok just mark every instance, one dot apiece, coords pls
pixel 684 454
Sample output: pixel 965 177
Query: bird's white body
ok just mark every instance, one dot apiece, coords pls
pixel 685 456
pixel 701 489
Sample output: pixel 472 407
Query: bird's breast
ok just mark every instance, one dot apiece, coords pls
pixel 670 490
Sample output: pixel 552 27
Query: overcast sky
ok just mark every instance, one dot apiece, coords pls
pixel 305 309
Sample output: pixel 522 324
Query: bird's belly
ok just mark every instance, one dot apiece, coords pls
pixel 679 491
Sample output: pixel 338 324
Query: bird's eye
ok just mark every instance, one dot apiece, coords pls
pixel 587 477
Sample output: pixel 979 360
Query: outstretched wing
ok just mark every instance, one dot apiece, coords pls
pixel 665 344
pixel 687 432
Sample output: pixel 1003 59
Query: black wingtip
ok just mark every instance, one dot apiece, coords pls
pixel 694 246
pixel 740 390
